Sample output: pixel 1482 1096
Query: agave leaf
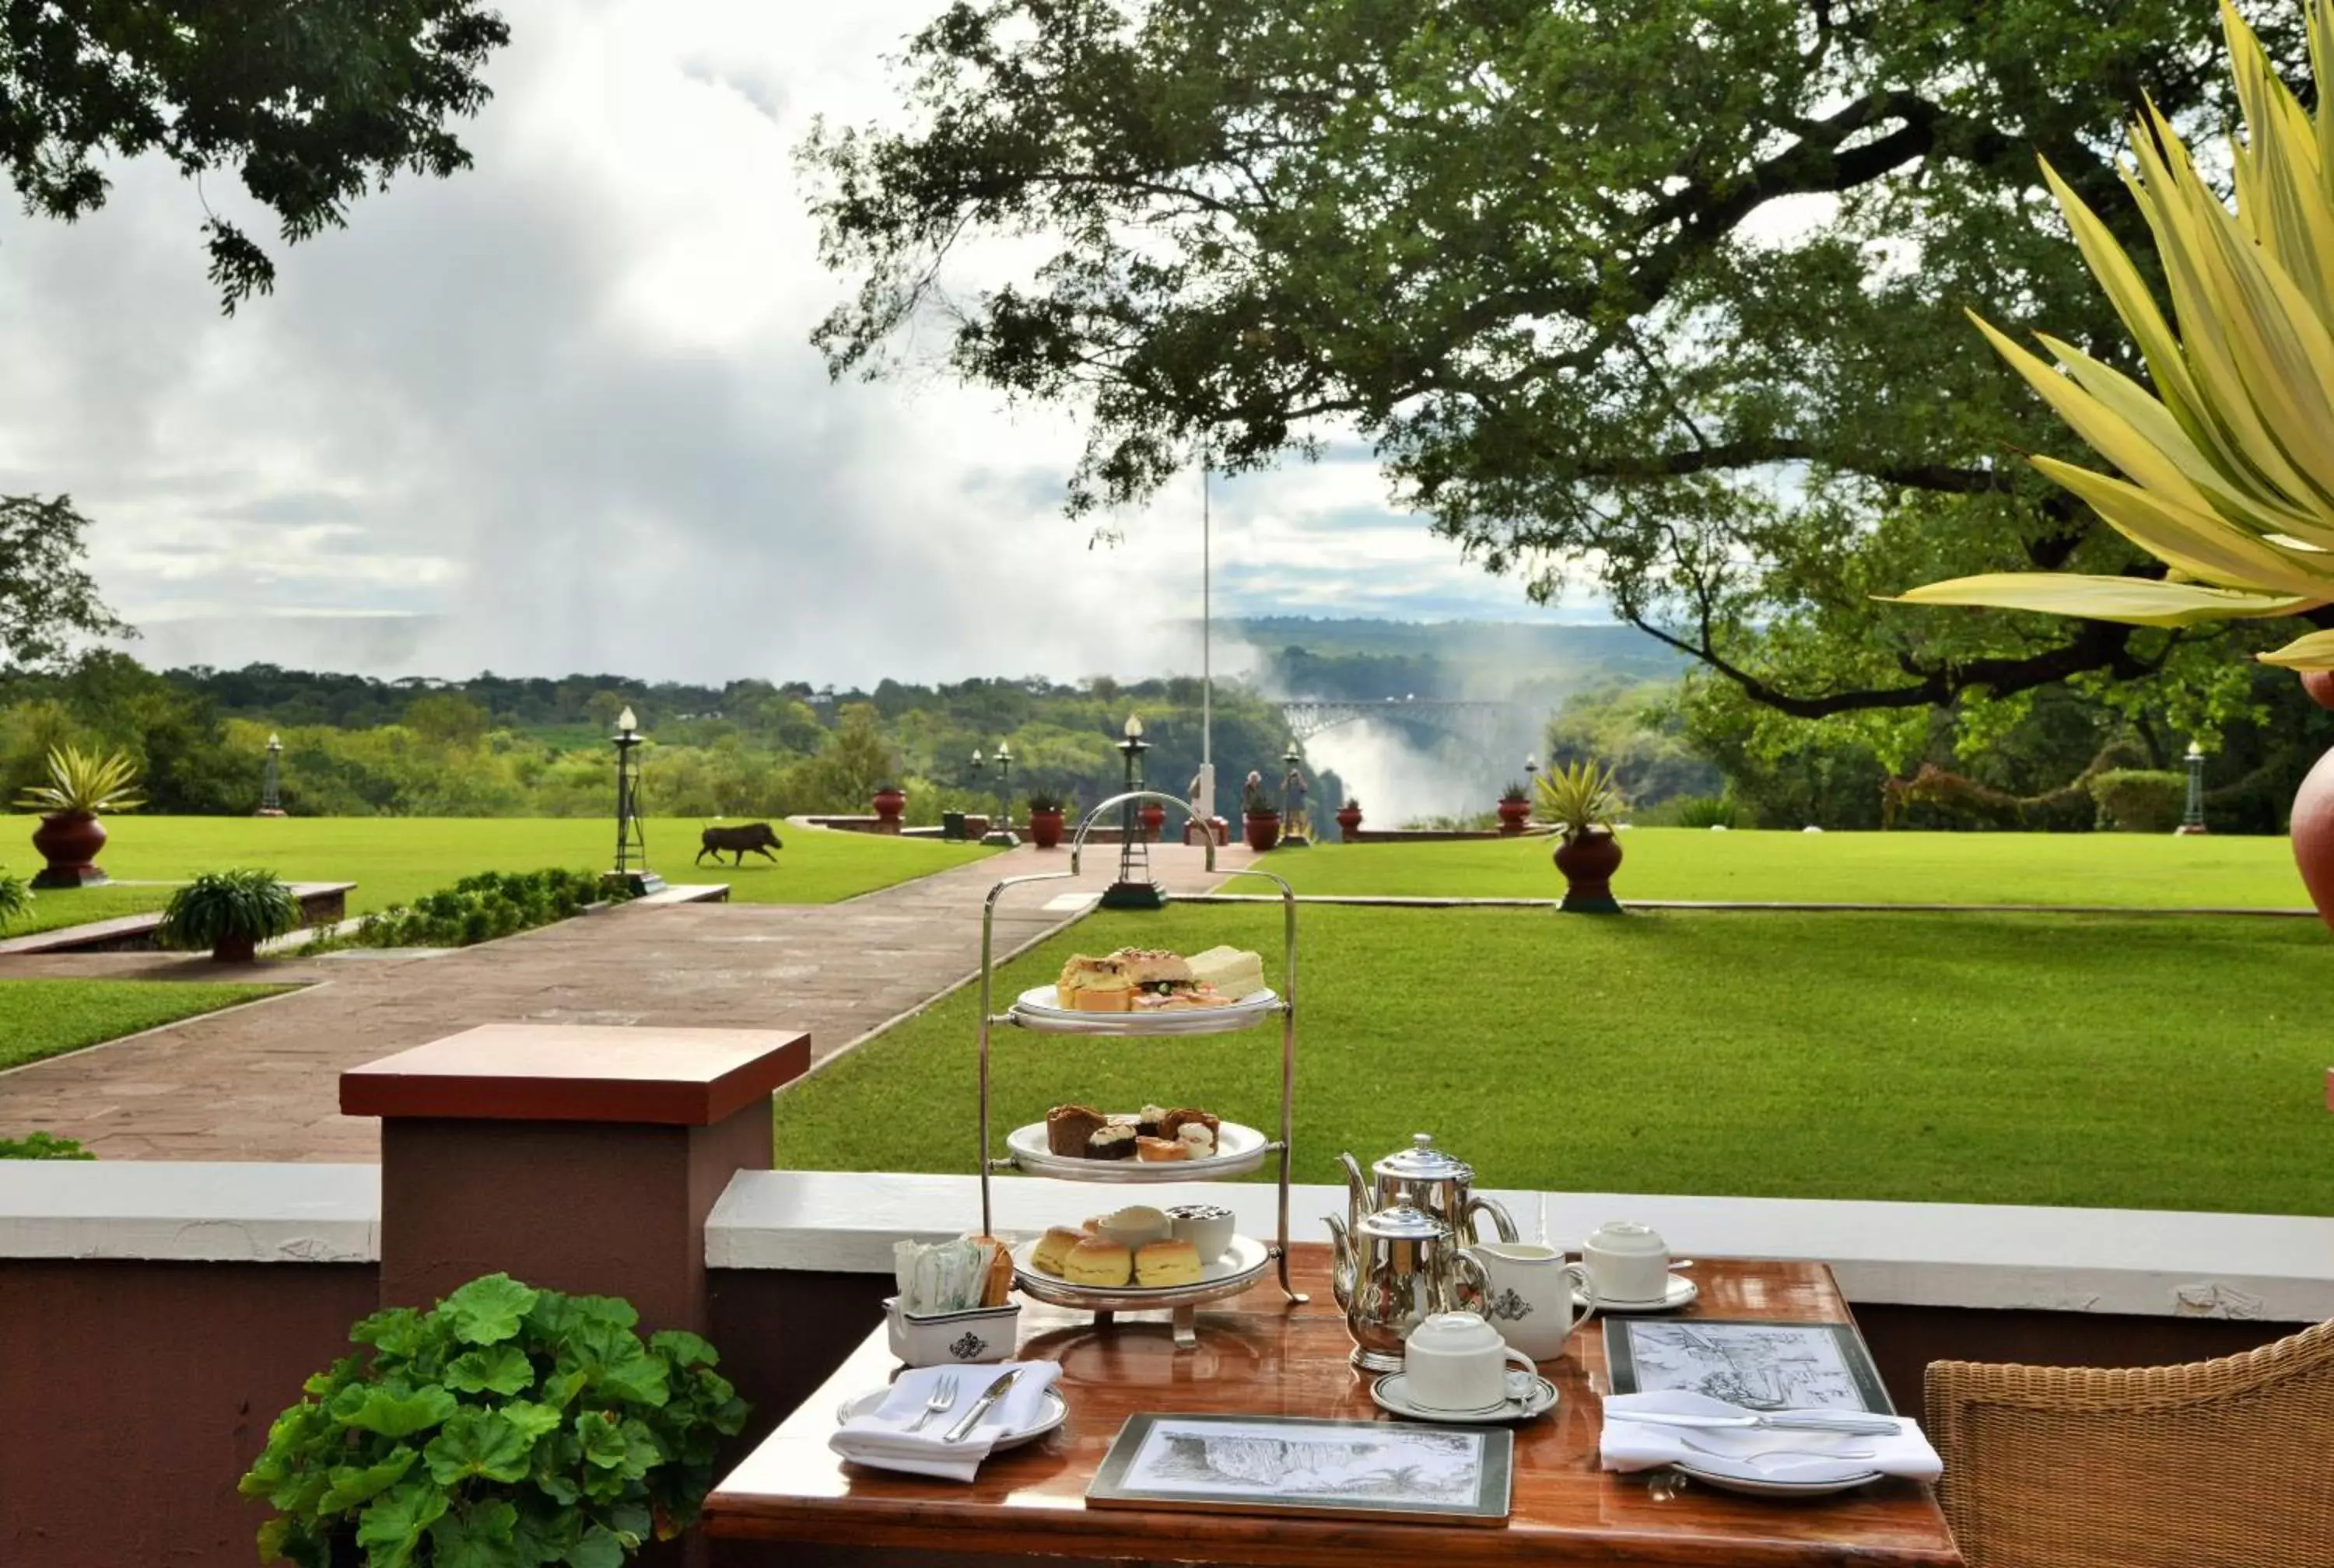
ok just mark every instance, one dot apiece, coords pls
pixel 2313 652
pixel 2131 600
pixel 2196 543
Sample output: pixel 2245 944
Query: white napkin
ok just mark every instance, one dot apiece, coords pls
pixel 1628 1445
pixel 881 1439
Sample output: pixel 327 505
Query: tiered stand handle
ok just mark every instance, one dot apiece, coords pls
pixel 1103 1024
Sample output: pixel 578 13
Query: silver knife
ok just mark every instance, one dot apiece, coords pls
pixel 989 1396
pixel 1778 1421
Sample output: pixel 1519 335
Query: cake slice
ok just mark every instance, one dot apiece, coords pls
pixel 1112 1142
pixel 1067 1128
pixel 1096 1262
pixel 1167 1263
pixel 1232 972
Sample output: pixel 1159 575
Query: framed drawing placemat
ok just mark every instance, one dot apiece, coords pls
pixel 1758 1364
pixel 1320 1468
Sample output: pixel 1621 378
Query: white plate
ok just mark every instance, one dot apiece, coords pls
pixel 1730 1475
pixel 1052 1413
pixel 1391 1393
pixel 1242 1263
pixel 1239 1150
pixel 1040 1008
pixel 1681 1292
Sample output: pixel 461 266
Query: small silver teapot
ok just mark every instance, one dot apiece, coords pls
pixel 1432 1179
pixel 1395 1269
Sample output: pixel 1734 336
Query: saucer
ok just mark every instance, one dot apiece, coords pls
pixel 1389 1392
pixel 1680 1293
pixel 1729 1477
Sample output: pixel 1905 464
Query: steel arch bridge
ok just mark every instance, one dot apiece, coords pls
pixel 1482 725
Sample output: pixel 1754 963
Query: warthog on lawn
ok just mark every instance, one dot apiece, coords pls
pixel 754 836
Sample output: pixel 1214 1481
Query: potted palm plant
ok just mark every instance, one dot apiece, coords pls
pixel 1349 817
pixel 1515 809
pixel 1580 801
pixel 81 786
pixel 231 913
pixel 1260 817
pixel 1045 819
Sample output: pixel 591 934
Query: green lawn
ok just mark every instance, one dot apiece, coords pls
pixel 2098 1060
pixel 54 907
pixel 395 860
pixel 2144 870
pixel 49 1018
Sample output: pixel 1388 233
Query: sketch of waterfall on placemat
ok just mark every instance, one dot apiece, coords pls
pixel 1277 1463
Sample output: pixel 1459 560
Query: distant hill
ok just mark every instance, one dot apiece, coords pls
pixel 1524 660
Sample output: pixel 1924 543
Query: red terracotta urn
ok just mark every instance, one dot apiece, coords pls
pixel 889 803
pixel 69 842
pixel 2313 829
pixel 1513 815
pixel 1349 819
pixel 1588 860
pixel 1046 829
pixel 1155 819
pixel 1263 829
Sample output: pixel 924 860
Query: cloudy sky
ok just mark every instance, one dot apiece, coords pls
pixel 561 413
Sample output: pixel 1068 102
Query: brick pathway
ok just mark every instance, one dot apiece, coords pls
pixel 262 1082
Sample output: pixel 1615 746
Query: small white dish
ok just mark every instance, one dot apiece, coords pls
pixel 1391 1392
pixel 1731 1476
pixel 980 1334
pixel 1051 1413
pixel 1680 1293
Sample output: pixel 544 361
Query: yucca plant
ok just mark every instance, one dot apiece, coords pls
pixel 15 898
pixel 231 912
pixel 2229 466
pixel 1576 797
pixel 84 784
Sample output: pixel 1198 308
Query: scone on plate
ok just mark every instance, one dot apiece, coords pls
pixel 1097 1262
pixel 1053 1249
pixel 1166 1263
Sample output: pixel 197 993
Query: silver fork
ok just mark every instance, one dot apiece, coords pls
pixel 943 1397
pixel 1717 1453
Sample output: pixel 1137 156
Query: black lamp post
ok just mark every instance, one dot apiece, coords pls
pixel 1001 831
pixel 271 804
pixel 632 871
pixel 1292 799
pixel 2191 819
pixel 1134 889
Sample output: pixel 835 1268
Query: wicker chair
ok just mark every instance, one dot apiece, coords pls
pixel 2218 1464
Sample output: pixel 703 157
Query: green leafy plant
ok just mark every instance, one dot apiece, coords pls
pixel 1254 801
pixel 2140 800
pixel 1579 797
pixel 38 1145
pixel 1720 811
pixel 507 1426
pixel 481 907
pixel 1514 791
pixel 15 898
pixel 1048 801
pixel 82 784
pixel 224 908
pixel 2229 464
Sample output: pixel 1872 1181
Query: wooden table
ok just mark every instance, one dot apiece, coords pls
pixel 1257 1355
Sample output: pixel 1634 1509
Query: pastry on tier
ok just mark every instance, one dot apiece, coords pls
pixel 1155 1150
pixel 1112 1142
pixel 1167 1263
pixel 1068 1129
pixel 1096 986
pixel 1133 980
pixel 1231 972
pixel 1052 1253
pixel 1098 1262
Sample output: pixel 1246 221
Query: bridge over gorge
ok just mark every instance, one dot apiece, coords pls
pixel 1489 727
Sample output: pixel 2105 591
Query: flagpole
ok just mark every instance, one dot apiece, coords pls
pixel 1207 652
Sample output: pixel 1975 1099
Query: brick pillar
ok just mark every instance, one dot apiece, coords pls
pixel 584 1160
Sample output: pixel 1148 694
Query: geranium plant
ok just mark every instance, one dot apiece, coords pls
pixel 506 1428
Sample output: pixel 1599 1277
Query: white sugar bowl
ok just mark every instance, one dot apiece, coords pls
pixel 1457 1361
pixel 981 1334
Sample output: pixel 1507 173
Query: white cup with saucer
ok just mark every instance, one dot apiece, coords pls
pixel 1628 1263
pixel 1458 1362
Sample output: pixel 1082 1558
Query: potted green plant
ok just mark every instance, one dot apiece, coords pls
pixel 81 785
pixel 1260 818
pixel 1349 817
pixel 1581 800
pixel 891 800
pixel 1515 809
pixel 229 912
pixel 15 898
pixel 508 1425
pixel 1045 819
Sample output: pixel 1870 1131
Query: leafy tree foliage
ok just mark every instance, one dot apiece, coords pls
pixel 1667 295
pixel 311 104
pixel 47 597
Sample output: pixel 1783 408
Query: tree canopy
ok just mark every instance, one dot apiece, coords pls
pixel 47 597
pixel 312 104
pixel 1663 297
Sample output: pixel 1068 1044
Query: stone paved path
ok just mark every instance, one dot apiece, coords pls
pixel 262 1081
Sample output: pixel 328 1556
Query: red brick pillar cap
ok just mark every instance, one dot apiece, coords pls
pixel 576 1073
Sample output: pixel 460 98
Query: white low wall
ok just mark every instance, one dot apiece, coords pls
pixel 167 1211
pixel 2151 1262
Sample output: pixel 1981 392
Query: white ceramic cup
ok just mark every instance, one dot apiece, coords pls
pixel 1456 1361
pixel 1527 1295
pixel 1629 1264
pixel 1207 1228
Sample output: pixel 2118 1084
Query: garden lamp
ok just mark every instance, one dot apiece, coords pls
pixel 1134 889
pixel 2191 819
pixel 270 803
pixel 1001 831
pixel 631 869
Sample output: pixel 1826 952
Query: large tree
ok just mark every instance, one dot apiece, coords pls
pixel 312 102
pixel 1663 296
pixel 48 600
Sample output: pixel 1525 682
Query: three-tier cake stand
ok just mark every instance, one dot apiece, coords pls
pixel 1240 1150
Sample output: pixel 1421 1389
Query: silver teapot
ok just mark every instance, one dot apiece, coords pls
pixel 1433 1180
pixel 1396 1268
